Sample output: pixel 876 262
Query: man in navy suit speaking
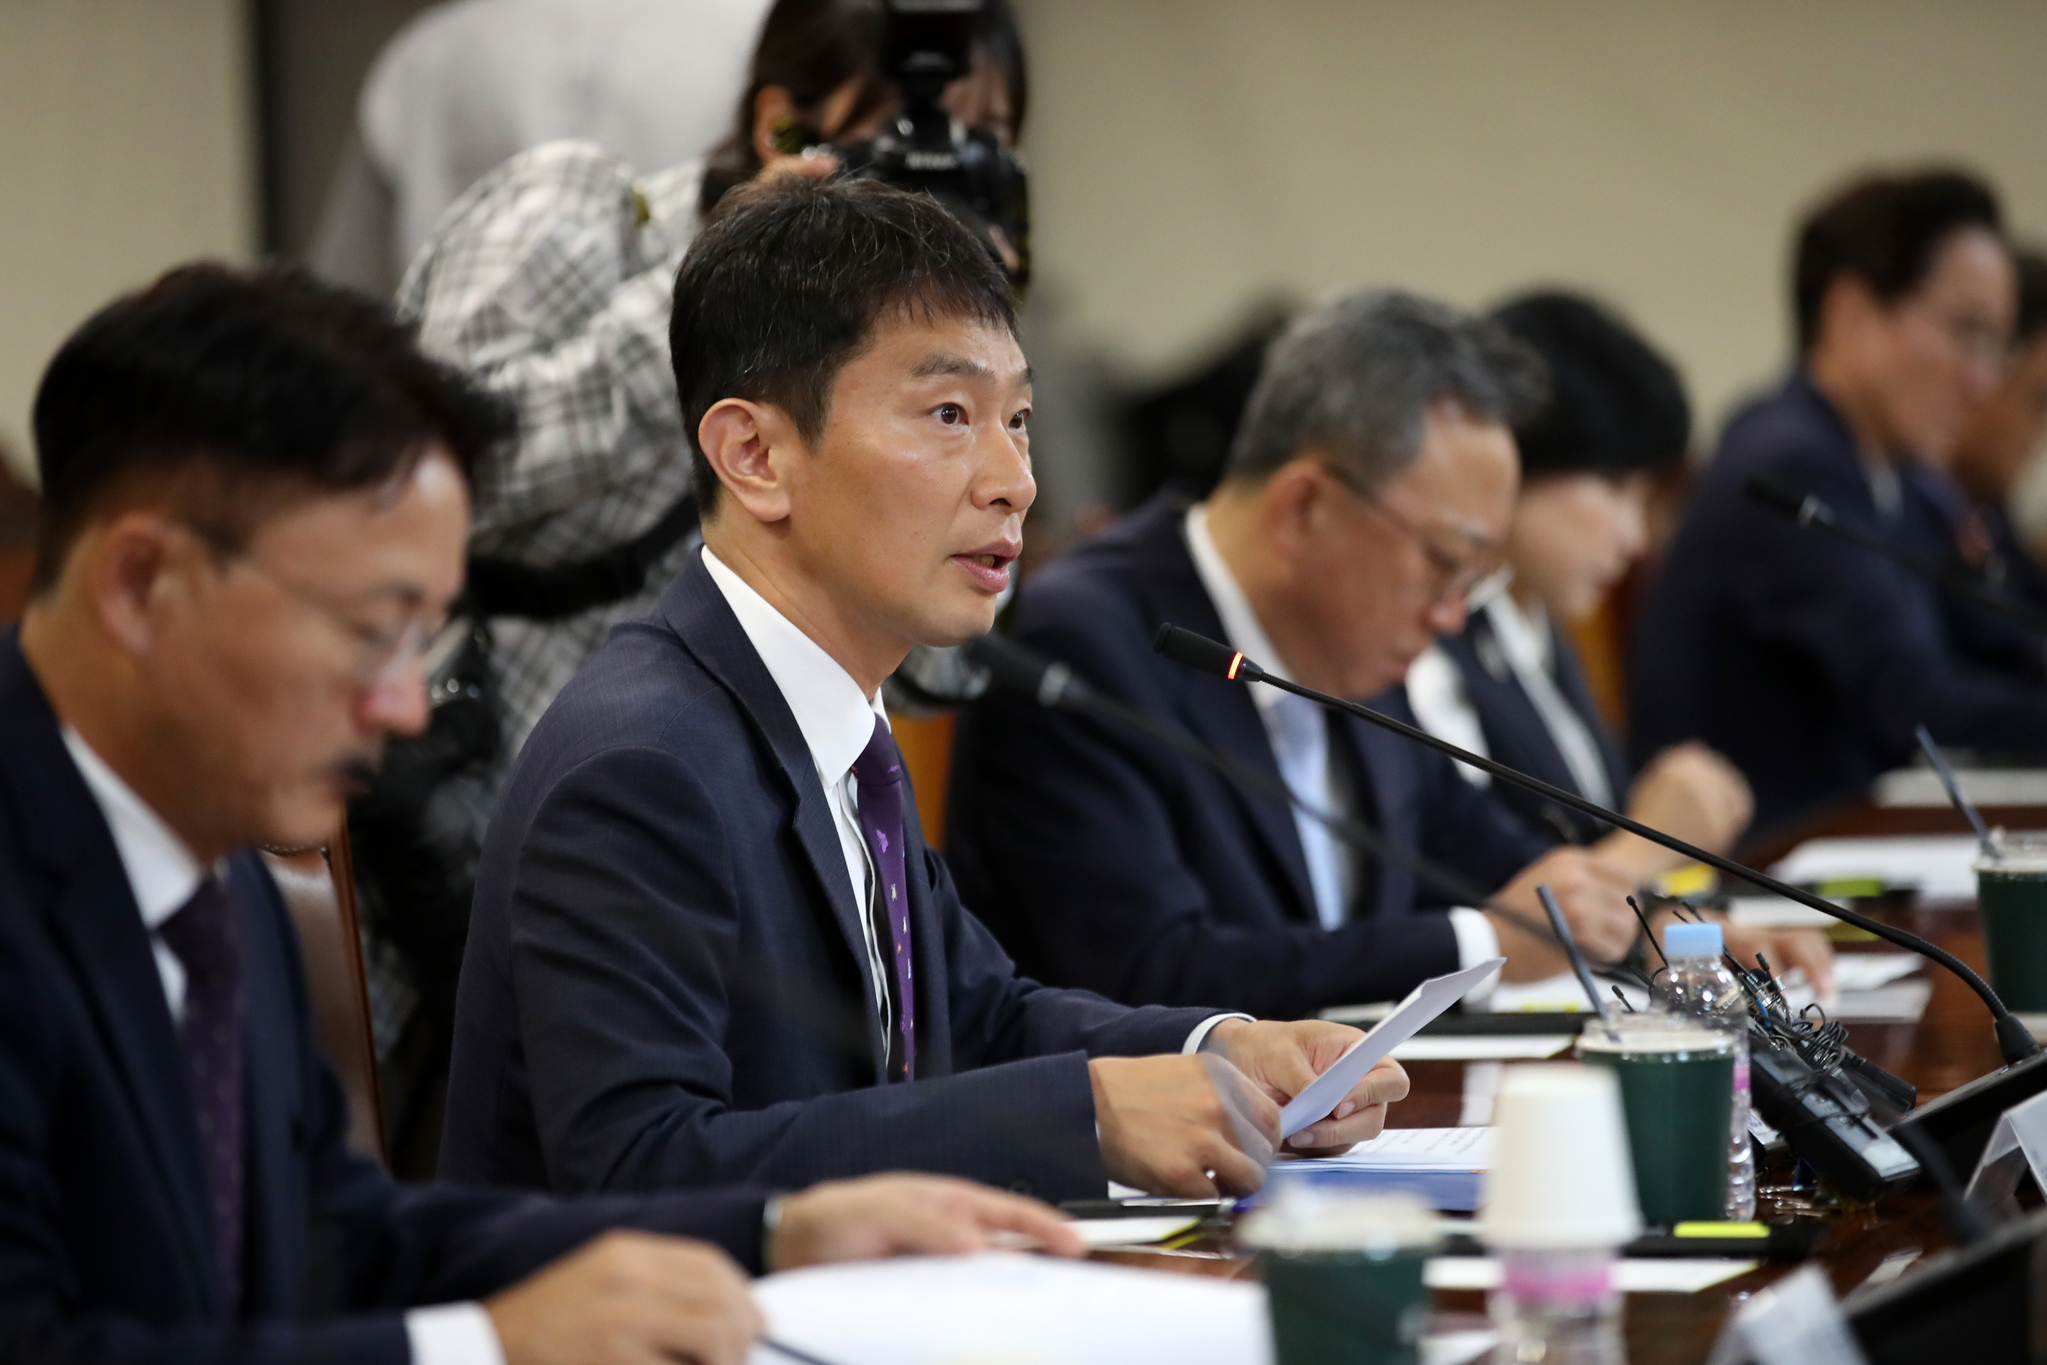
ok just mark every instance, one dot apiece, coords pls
pixel 709 940
pixel 256 504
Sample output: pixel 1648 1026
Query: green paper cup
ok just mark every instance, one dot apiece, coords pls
pixel 1343 1275
pixel 1677 1088
pixel 2011 897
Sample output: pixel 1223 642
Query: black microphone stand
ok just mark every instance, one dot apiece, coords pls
pixel 1808 510
pixel 1054 686
pixel 1956 1119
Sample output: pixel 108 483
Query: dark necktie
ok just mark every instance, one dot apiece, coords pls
pixel 878 772
pixel 204 937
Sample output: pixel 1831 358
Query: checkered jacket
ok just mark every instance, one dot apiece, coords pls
pixel 549 282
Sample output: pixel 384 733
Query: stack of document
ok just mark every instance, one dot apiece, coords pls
pixel 1939 867
pixel 1445 1166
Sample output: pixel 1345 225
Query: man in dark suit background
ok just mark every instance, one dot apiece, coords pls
pixel 1366 499
pixel 2002 438
pixel 256 502
pixel 709 940
pixel 1806 661
pixel 1510 684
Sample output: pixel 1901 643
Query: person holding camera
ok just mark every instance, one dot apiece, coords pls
pixel 548 283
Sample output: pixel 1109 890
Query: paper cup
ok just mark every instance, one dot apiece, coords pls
pixel 1561 1178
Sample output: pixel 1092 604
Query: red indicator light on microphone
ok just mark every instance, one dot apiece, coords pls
pixel 1235 659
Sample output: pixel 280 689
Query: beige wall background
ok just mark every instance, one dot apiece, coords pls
pixel 1194 156
pixel 126 144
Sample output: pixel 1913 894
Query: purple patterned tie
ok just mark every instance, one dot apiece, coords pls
pixel 879 774
pixel 204 937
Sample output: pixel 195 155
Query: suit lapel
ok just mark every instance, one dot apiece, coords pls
pixel 93 918
pixel 1222 712
pixel 1571 682
pixel 698 613
pixel 1518 734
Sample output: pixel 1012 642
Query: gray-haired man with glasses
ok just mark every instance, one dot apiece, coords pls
pixel 1362 514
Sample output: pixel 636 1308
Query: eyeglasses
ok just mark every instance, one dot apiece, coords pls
pixel 1975 339
pixel 1472 578
pixel 382 653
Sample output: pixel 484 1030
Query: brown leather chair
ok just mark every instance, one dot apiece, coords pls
pixel 319 889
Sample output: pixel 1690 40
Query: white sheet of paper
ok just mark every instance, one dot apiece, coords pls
pixel 1648 1275
pixel 1937 866
pixel 1480 1047
pixel 1107 1232
pixel 1012 1308
pixel 1418 1149
pixel 1560 994
pixel 1872 971
pixel 1774 912
pixel 1319 1098
pixel 1899 1002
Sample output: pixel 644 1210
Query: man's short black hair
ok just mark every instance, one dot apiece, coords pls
pixel 1885 230
pixel 788 282
pixel 267 381
pixel 1616 406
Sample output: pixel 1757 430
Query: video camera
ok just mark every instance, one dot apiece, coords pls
pixel 925 46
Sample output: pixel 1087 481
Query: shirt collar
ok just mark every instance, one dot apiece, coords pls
pixel 837 721
pixel 1241 627
pixel 1522 631
pixel 162 872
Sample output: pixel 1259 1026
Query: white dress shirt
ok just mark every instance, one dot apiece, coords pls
pixel 163 874
pixel 837 720
pixel 1436 691
pixel 1477 941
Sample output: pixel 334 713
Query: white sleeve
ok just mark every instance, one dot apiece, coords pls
pixel 1196 1039
pixel 1477 941
pixel 453 1334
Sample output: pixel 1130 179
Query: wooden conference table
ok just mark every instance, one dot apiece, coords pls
pixel 1951 1045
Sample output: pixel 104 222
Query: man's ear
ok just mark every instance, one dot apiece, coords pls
pixel 126 567
pixel 748 445
pixel 772 111
pixel 1292 498
pixel 1847 306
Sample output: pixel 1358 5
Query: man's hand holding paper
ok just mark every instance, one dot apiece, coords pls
pixel 1282 1059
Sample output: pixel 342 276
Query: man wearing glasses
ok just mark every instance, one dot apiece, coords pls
pixel 1362 514
pixel 1807 662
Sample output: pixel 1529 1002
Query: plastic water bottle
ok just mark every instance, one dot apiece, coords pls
pixel 1557 1308
pixel 1699 985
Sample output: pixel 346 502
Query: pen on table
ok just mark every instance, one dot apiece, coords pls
pixel 790 1351
pixel 1954 792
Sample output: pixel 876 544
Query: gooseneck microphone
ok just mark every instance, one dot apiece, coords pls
pixel 1054 686
pixel 1960 1121
pixel 1807 509
pixel 1204 655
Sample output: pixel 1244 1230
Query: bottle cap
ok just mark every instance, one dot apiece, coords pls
pixel 1692 940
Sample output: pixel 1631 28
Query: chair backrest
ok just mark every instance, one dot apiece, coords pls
pixel 319 889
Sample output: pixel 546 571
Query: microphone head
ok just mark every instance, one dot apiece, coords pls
pixel 1022 670
pixel 1775 493
pixel 1204 655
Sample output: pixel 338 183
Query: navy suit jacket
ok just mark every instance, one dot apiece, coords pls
pixel 105 1247
pixel 1517 735
pixel 1807 661
pixel 666 980
pixel 1104 860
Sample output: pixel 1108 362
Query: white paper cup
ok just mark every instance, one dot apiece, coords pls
pixel 1561 1177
